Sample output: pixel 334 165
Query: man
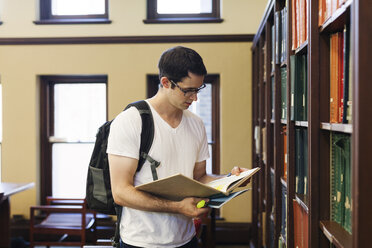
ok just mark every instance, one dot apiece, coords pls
pixel 180 145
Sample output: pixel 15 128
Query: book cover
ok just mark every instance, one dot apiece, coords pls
pixel 303 87
pixel 278 38
pixel 333 112
pixel 346 72
pixel 218 202
pixel 178 187
pixel 340 77
pixel 294 25
pixel 297 223
pixel 283 80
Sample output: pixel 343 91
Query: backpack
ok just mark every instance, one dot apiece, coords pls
pixel 98 188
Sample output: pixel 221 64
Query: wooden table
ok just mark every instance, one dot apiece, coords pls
pixel 6 190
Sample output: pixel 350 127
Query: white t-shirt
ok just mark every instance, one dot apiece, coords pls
pixel 177 150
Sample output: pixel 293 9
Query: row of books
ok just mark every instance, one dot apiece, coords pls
pixel 283 228
pixel 299 22
pixel 298 80
pixel 301 160
pixel 340 77
pixel 301 226
pixel 327 8
pixel 341 198
pixel 279 32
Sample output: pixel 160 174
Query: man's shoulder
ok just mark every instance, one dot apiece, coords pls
pixel 129 115
pixel 192 116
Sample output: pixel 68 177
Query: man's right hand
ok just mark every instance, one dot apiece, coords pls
pixel 188 207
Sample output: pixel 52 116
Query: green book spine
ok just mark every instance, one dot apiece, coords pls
pixel 292 60
pixel 339 175
pixel 305 160
pixel 332 178
pixel 348 197
pixel 299 161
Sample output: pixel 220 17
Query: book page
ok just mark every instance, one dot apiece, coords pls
pixel 226 184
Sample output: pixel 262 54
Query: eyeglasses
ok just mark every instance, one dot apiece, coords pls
pixel 189 92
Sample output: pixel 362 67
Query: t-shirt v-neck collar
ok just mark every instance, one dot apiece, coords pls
pixel 173 129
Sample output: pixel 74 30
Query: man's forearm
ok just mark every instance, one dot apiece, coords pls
pixel 133 198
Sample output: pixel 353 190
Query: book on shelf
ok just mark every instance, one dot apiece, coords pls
pixel 297 224
pixel 346 117
pixel 178 187
pixel 294 24
pixel 327 8
pixel 272 187
pixel 264 61
pixel 285 153
pixel 278 36
pixel 340 83
pixel 272 98
pixel 301 161
pixel 264 228
pixel 284 212
pixel 299 23
pixel 264 145
pixel 303 75
pixel 300 223
pixel 273 48
pixel 272 230
pixel 283 42
pixel 283 83
pixel 340 173
pixel 298 80
pixel 305 160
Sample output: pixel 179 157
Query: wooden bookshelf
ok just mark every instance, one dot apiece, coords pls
pixel 316 202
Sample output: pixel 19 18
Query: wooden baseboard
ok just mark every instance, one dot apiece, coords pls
pixel 233 233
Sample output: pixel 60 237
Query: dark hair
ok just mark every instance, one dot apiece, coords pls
pixel 176 63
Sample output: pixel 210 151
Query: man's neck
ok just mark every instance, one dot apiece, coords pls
pixel 166 110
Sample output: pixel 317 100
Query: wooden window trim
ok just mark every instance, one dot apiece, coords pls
pixel 47 123
pixel 154 18
pixel 46 16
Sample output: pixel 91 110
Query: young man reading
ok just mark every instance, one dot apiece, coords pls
pixel 180 145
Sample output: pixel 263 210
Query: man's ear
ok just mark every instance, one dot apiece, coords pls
pixel 165 82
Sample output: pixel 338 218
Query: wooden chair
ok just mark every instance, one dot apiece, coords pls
pixel 65 218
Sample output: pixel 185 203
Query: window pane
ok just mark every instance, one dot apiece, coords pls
pixel 79 110
pixel 78 7
pixel 70 168
pixel 203 108
pixel 184 6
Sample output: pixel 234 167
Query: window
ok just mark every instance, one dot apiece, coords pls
pixel 207 107
pixel 1 126
pixel 72 109
pixel 183 11
pixel 73 11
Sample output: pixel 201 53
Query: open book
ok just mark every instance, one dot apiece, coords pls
pixel 178 187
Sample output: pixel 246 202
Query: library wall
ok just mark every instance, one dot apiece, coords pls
pixel 240 17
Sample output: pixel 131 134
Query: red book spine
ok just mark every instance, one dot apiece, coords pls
pixel 333 111
pixel 294 25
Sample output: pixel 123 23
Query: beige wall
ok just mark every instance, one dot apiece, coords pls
pixel 240 17
pixel 126 66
